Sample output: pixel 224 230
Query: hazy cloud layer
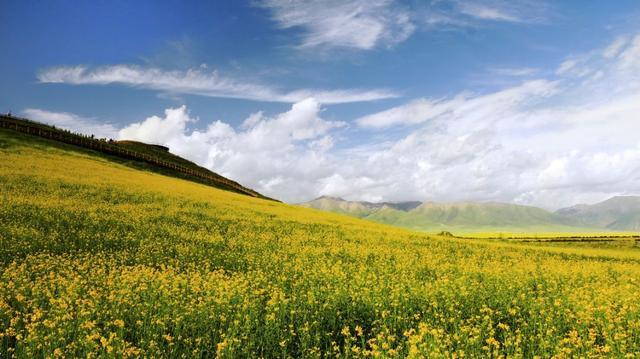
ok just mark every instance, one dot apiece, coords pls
pixel 199 81
pixel 367 24
pixel 361 24
pixel 552 142
pixel 504 10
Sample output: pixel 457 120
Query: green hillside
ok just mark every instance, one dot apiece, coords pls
pixel 99 258
pixel 149 156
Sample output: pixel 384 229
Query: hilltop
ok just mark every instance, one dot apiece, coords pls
pixel 615 214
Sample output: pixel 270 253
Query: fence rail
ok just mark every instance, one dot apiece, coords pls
pixel 24 125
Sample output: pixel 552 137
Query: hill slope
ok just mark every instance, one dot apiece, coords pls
pixel 621 213
pixel 100 259
pixel 152 157
pixel 452 216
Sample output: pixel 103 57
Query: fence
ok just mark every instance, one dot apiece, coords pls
pixel 34 128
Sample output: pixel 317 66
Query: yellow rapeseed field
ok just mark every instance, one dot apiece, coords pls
pixel 98 259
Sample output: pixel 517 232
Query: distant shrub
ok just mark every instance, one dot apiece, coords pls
pixel 446 234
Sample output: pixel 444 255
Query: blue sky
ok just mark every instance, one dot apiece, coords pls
pixel 377 100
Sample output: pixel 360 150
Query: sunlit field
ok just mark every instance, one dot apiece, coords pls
pixel 100 259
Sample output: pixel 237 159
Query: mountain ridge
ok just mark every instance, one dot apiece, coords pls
pixel 617 213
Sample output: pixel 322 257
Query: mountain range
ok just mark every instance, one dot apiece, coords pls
pixel 615 214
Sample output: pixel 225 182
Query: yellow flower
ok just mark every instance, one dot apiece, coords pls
pixel 118 323
pixel 222 345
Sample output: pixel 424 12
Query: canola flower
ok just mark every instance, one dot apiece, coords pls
pixel 100 260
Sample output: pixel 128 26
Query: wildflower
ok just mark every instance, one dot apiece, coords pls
pixel 118 323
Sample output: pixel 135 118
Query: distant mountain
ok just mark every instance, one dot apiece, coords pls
pixel 356 208
pixel 464 216
pixel 618 213
pixel 477 214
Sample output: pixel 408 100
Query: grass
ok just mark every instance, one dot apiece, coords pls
pixel 101 259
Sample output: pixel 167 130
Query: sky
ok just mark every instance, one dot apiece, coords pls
pixel 520 101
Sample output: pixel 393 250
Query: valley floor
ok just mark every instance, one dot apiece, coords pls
pixel 101 259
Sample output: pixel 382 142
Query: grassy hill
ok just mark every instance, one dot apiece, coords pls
pixel 99 258
pixel 460 217
pixel 149 156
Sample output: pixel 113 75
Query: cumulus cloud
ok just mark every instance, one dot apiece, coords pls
pixel 73 122
pixel 201 82
pixel 282 155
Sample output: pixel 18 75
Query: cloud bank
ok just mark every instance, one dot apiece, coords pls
pixel 551 142
pixel 200 82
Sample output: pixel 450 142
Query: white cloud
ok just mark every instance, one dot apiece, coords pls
pixel 413 112
pixel 630 56
pixel 360 24
pixel 614 49
pixel 281 156
pixel 369 24
pixel 73 122
pixel 620 59
pixel 199 81
pixel 566 66
pixel 487 13
pixel 550 142
pixel 464 105
pixel 517 11
pixel 515 71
